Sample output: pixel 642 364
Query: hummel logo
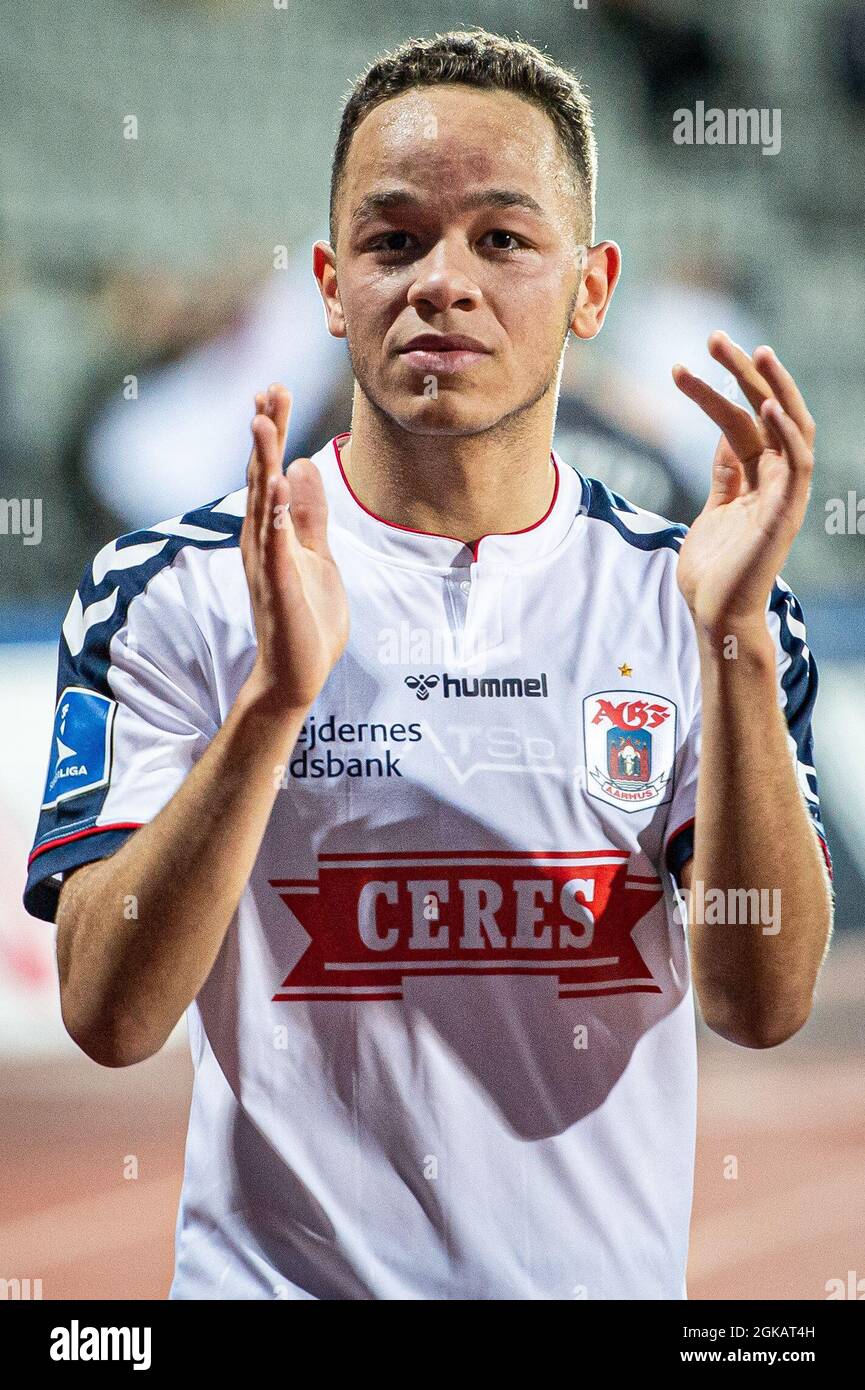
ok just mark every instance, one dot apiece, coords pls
pixel 422 685
pixel 485 687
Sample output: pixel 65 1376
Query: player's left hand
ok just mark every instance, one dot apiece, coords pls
pixel 761 481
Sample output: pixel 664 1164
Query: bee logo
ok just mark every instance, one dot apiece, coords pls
pixel 422 685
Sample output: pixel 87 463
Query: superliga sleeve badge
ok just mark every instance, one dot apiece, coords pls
pixel 81 745
pixel 630 745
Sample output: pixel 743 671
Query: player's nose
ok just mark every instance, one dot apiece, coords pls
pixel 442 279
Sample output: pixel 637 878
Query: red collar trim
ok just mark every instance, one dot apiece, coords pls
pixel 441 534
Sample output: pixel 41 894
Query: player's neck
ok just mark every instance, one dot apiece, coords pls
pixel 472 486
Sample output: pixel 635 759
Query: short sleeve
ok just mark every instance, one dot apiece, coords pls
pixel 134 711
pixel 797 692
pixel 679 841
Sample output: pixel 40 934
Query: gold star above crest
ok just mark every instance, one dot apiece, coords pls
pixel 625 670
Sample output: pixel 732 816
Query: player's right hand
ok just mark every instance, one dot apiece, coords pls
pixel 299 604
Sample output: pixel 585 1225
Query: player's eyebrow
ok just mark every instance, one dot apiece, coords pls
pixel 374 205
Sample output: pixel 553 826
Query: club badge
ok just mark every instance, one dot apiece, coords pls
pixel 630 745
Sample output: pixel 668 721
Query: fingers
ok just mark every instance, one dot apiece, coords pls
pixel 293 519
pixel 265 464
pixel 269 430
pixel 274 404
pixel 266 518
pixel 289 513
pixel 260 402
pixel 727 476
pixel 786 391
pixel 253 499
pixel 308 506
pixel 787 437
pixel 283 511
pixel 739 427
pixel 280 413
pixel 761 377
pixel 755 387
pixel 276 542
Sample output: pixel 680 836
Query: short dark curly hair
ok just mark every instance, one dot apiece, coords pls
pixel 477 58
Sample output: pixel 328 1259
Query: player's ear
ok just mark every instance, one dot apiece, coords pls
pixel 601 267
pixel 324 270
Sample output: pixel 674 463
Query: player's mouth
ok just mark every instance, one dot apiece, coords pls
pixel 441 354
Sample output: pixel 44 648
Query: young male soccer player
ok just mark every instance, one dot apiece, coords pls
pixel 394 792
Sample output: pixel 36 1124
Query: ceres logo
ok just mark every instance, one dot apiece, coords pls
pixel 374 920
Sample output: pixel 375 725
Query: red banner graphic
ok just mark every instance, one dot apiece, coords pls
pixel 378 919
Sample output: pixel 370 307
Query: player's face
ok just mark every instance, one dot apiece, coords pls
pixel 457 217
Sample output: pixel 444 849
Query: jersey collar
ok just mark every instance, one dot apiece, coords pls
pixel 427 549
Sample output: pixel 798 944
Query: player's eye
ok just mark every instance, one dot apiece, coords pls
pixel 501 236
pixel 392 244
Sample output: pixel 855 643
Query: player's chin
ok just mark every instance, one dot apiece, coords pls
pixel 449 412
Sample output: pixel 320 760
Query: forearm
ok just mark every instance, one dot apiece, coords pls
pixel 138 933
pixel 755 845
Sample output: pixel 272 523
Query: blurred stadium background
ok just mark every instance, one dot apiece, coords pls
pixel 152 278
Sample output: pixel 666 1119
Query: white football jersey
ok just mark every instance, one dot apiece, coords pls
pixel 447 1049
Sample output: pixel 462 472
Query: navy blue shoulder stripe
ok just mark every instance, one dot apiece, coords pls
pixel 99 608
pixel 120 571
pixel 799 682
pixel 644 530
